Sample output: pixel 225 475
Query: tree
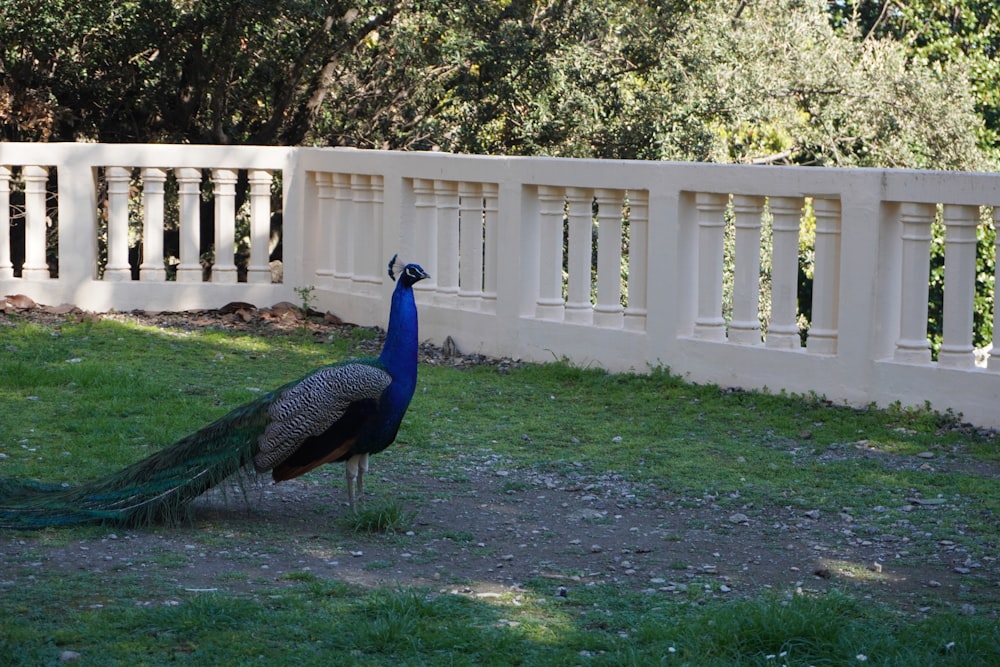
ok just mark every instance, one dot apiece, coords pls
pixel 204 71
pixel 963 32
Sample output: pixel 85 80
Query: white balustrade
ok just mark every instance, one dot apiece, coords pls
pixel 509 243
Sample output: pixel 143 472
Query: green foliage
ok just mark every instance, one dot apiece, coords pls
pixel 704 80
pixel 965 33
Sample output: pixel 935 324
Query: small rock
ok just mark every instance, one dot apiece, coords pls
pixel 739 518
pixel 926 501
pixel 925 455
pixel 934 583
pixel 812 514
pixel 68 656
pixel 962 570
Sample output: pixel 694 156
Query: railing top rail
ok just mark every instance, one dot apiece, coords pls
pixel 890 185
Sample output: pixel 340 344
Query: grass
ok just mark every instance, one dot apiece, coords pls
pixel 84 398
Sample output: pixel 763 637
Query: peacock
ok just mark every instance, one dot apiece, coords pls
pixel 342 412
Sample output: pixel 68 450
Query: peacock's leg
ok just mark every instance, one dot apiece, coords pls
pixel 362 469
pixel 351 468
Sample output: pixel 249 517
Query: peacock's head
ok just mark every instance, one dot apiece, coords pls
pixel 409 274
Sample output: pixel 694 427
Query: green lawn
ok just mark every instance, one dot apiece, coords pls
pixel 82 398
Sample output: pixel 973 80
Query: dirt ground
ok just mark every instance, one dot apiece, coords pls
pixel 487 526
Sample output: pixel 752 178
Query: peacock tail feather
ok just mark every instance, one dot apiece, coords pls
pixel 153 490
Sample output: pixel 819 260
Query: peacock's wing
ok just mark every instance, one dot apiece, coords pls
pixel 311 406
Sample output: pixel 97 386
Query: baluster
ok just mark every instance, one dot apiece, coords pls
pixel 6 265
pixel 609 312
pixel 259 266
pixel 189 205
pixel 581 251
pixel 324 214
pixel 638 258
pixel 783 330
pixel 151 268
pixel 959 285
pixel 470 244
pixel 363 205
pixel 491 207
pixel 993 363
pixel 709 323
pixel 550 304
pixel 912 345
pixel 446 201
pixel 224 189
pixel 425 232
pixel 119 181
pixel 36 265
pixel 376 221
pixel 745 325
pixel 344 224
pixel 823 330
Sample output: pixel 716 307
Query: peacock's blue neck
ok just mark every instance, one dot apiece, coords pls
pixel 399 354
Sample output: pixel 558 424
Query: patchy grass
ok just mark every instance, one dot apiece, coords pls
pixel 85 398
pixel 382 517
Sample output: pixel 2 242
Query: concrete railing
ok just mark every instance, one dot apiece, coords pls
pixel 614 264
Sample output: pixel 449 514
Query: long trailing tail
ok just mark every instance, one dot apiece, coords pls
pixel 157 489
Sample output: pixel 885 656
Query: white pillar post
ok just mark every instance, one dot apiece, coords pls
pixel 745 325
pixel 151 267
pixel 189 205
pixel 959 286
pixel 608 311
pixel 638 260
pixel 6 265
pixel 823 330
pixel 259 266
pixel 709 323
pixel 36 264
pixel 550 304
pixel 490 239
pixel 425 232
pixel 580 253
pixel 912 345
pixel 446 202
pixel 786 216
pixel 470 244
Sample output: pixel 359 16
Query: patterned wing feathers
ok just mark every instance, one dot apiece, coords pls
pixel 309 407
